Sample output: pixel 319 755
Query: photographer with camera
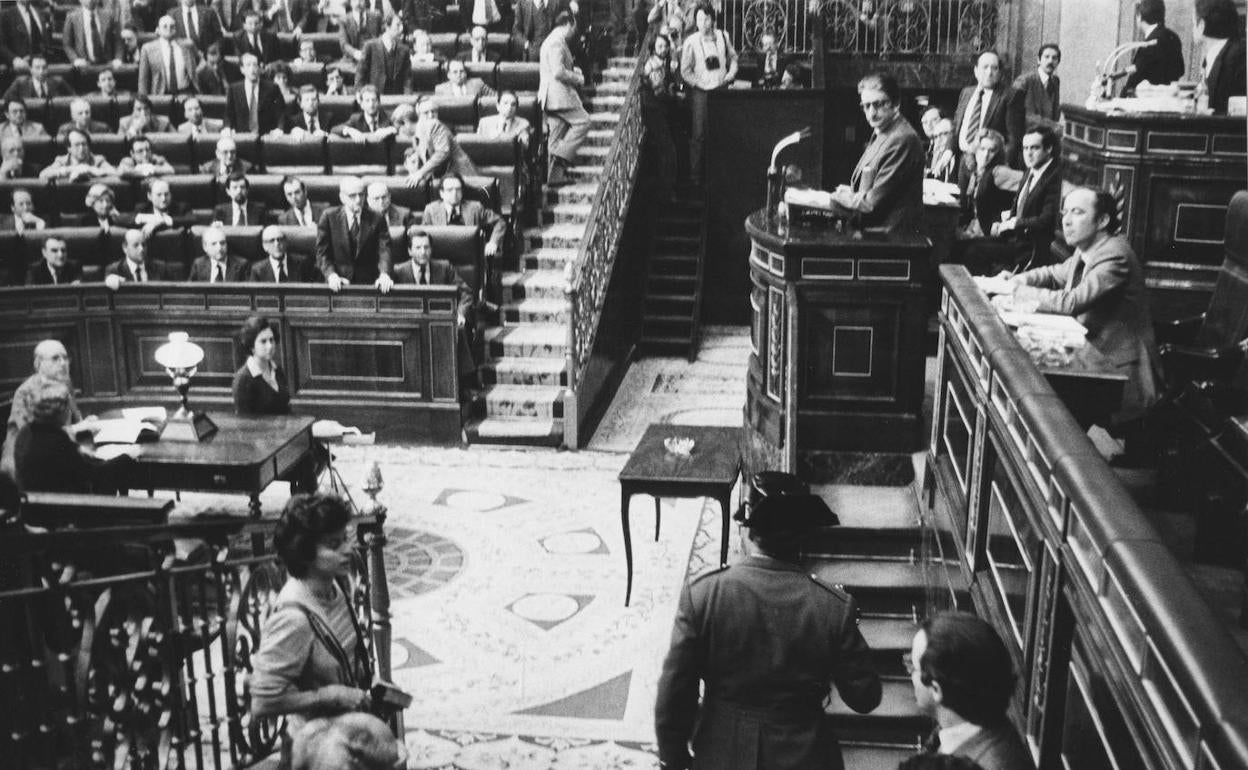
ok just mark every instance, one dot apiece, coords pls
pixel 707 62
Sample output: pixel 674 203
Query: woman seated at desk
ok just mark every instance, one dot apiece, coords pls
pixel 1102 286
pixel 260 384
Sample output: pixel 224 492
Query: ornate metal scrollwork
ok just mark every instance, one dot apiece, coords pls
pixel 907 27
pixel 764 16
pixel 841 22
pixel 251 602
pixel 977 25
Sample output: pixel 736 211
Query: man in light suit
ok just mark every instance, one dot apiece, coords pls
pixel 435 150
pixel 216 265
pixel 1102 286
pixel 24 31
pixel 91 36
pixel 386 61
pixel 459 84
pixel 165 58
pixel 142 120
pixel 80 118
pixel 886 189
pixel 196 24
pixel 567 122
pixel 1219 29
pixel 534 21
pixel 370 122
pixel 1037 97
pixel 254 104
pixel 983 105
pixel 279 266
pixel 506 124
pixel 195 123
pixel 352 242
pixel 452 209
pixel 1033 220
pixel 962 675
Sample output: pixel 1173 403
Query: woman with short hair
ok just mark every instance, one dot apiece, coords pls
pixel 260 384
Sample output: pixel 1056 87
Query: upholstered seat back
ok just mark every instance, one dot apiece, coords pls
pixel 1226 320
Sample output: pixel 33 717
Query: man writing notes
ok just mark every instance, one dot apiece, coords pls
pixel 886 189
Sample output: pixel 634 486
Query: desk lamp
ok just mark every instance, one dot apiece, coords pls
pixel 181 359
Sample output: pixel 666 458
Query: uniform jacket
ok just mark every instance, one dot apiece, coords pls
pixel 474 214
pixel 997 748
pixel 236 269
pixel 298 270
pixel 41 274
pixel 371 257
pixel 769 641
pixel 557 88
pixel 153 74
pixel 1227 77
pixel 14 37
pixel 995 116
pixel 75 34
pixel 1112 302
pixel 390 73
pixel 209 26
pixel 889 175
pixel 1158 64
pixel 269 102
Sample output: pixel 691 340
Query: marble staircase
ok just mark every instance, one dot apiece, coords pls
pixel 524 374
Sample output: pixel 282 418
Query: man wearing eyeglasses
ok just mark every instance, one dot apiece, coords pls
pixel 279 266
pixel 885 192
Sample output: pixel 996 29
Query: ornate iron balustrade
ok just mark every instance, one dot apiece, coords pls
pixel 590 274
pixel 877 27
pixel 114 654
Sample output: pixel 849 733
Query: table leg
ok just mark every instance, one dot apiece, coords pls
pixel 657 517
pixel 628 544
pixel 257 538
pixel 725 504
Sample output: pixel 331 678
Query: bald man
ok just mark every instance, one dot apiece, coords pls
pixel 51 364
pixel 353 242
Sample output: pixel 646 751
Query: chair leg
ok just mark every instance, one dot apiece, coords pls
pixel 657 518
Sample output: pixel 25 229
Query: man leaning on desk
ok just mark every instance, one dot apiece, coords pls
pixel 886 189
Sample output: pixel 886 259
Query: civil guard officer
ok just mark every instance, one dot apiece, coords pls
pixel 769 640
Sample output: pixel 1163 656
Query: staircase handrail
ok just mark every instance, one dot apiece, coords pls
pixel 588 276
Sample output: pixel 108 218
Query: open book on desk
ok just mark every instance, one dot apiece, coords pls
pixel 332 430
pixel 123 430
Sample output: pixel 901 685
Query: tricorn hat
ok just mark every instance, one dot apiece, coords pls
pixel 781 501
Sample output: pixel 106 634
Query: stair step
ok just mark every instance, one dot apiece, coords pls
pixel 548 259
pixel 547 372
pixel 541 402
pixel 586 173
pixel 898 702
pixel 567 213
pixel 678 227
pixel 593 153
pixel 613 87
pixel 600 137
pixel 496 430
pixel 581 192
pixel 605 117
pixel 537 310
pixel 624 62
pixel 871 506
pixel 680 244
pixel 530 341
pixel 663 283
pixel 664 305
pixel 533 284
pixel 891 634
pixel 565 235
pixel 673 265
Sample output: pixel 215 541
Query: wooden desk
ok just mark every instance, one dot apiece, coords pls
pixel 710 470
pixel 246 455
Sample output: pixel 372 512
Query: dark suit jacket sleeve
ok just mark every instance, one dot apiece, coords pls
pixel 676 704
pixel 199 270
pixel 10 21
pixel 1045 219
pixel 855 677
pixel 498 228
pixel 383 247
pixel 232 104
pixel 325 246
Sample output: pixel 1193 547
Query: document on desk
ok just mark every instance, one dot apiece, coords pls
pixel 938 193
pixel 810 198
pixel 1056 322
pixel 332 429
pixel 123 430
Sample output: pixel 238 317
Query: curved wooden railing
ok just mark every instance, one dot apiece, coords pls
pixel 1122 663
pixel 590 274
pixel 114 653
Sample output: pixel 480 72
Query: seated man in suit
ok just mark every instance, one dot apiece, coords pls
pixel 386 63
pixel 216 265
pixel 210 77
pixel 56 268
pixel 370 122
pixel 506 124
pixel 142 162
pixel 80 118
pixel 335 84
pixel 302 212
pixel 17 124
pixel 452 209
pixel 379 201
pixel 13 163
pixel 309 120
pixel 106 85
pixel 102 211
pixel 280 266
pixel 51 364
pixel 23 217
pixel 434 148
pixel 196 123
pixel 78 163
pixel 307 54
pixel 252 39
pixel 478 53
pixel 422 269
pixel 771 62
pixel 238 211
pixel 226 161
pixel 254 105
pixel 353 242
pixel 142 120
pixel 1033 220
pixel 459 84
pixel 161 210
pixel 38 84
pixel 134 265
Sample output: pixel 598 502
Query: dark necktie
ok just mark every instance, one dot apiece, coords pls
pixel 97 41
pixel 424 275
pixel 1023 192
pixel 1077 275
pixel 241 217
pixel 456 218
pixel 36 34
pixel 173 69
pixel 39 90
pixel 972 120
pixel 312 123
pixel 218 274
pixel 281 271
pixel 353 234
pixel 140 274
pixel 56 279
pixel 255 43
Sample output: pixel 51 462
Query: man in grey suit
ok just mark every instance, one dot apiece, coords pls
pixel 886 189
pixel 217 265
pixel 962 675
pixel 567 122
pixel 352 242
pixel 166 66
pixel 91 36
pixel 386 62
pixel 452 209
pixel 196 24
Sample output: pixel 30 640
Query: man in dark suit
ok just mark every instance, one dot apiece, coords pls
pixel 380 202
pixel 210 77
pixel 1033 220
pixel 983 105
pixel 357 28
pixel 1037 96
pixel 161 211
pixel 196 24
pixel 216 265
pixel 1218 28
pixel 1162 62
pixel 24 31
pixel 238 211
pixel 771 62
pixel 386 62
pixel 477 53
pixel 254 105
pixel 310 119
pixel 38 84
pixel 226 161
pixel 56 268
pixel 459 84
pixel 370 122
pixel 886 188
pixel 279 266
pixel 254 40
pixel 534 21
pixel 91 36
pixel 134 265
pixel 301 212
pixel 768 640
pixel 962 675
pixel 452 209
pixel 422 269
pixel 352 242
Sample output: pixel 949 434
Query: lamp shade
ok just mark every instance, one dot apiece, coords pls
pixel 179 352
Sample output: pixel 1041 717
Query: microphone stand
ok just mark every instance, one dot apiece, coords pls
pixel 775 178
